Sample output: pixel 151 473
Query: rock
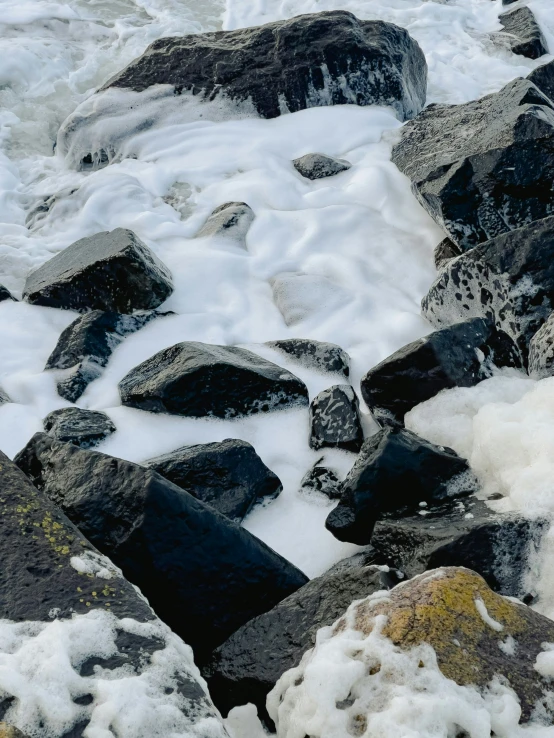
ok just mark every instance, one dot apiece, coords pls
pixel 246 667
pixel 86 345
pixel 329 58
pixel 3 397
pixel 508 280
pixel 335 419
pixel 526 36
pixel 485 167
pixel 112 271
pixel 5 294
pixel 204 575
pixel 445 252
pixel 321 479
pixel 229 476
pixel 231 220
pixel 50 572
pixel 541 351
pixel 8 731
pixel 203 380
pixel 543 78
pixel 324 357
pixel 460 355
pixel 395 471
pixel 317 166
pixel 84 428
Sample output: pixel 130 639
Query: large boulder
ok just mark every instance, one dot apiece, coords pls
pixel 202 380
pixel 113 271
pixel 524 33
pixel 204 575
pixel 230 220
pixel 229 476
pixel 84 428
pixel 79 641
pixel 318 355
pixel 386 663
pixel 460 355
pixel 485 167
pixel 318 166
pixel 509 280
pixel 335 419
pixel 329 58
pixel 394 472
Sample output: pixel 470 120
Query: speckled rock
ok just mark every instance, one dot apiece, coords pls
pixel 526 37
pixel 335 419
pixel 323 480
pixel 318 166
pixel 324 357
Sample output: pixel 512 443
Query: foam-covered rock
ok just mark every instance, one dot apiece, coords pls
pixel 319 355
pixel 321 479
pixel 84 428
pixel 203 380
pixel 525 35
pixel 112 271
pixel 5 294
pixel 230 220
pixel 335 419
pixel 318 166
pixel 229 476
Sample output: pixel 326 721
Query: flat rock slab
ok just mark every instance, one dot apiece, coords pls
pixel 329 58
pixel 318 355
pixel 485 167
pixel 229 476
pixel 318 166
pixel 203 380
pixel 231 220
pixel 526 36
pixel 112 271
pixel 84 428
pixel 335 419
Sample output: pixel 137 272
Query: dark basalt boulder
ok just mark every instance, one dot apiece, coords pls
pixel 50 571
pixel 203 575
pixel 335 419
pixel 396 471
pixel 526 36
pixel 247 666
pixel 543 78
pixel 112 271
pixel 323 480
pixel 460 355
pixel 86 345
pixel 318 166
pixel 203 380
pixel 229 476
pixel 541 351
pixel 84 428
pixel 231 220
pixel 318 355
pixel 329 58
pixel 5 294
pixel 485 167
pixel 445 251
pixel 509 280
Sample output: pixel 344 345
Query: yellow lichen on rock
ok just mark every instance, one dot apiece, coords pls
pixel 8 731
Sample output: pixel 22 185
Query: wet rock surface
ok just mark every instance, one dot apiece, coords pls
pixel 84 428
pixel 323 480
pixel 318 166
pixel 324 357
pixel 527 38
pixel 335 419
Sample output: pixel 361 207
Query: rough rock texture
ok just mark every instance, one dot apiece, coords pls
pixel 508 280
pixel 200 379
pixel 460 355
pixel 445 251
pixel 8 731
pixel 111 271
pixel 324 357
pixel 229 476
pixel 203 575
pixel 231 220
pixel 526 36
pixel 86 345
pixel 395 471
pixel 328 58
pixel 3 397
pixel 335 419
pixel 5 294
pixel 84 428
pixel 318 166
pixel 541 351
pixel 246 667
pixel 321 479
pixel 543 78
pixel 485 167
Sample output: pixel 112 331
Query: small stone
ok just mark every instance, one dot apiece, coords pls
pixel 318 355
pixel 83 428
pixel 335 419
pixel 231 220
pixel 543 78
pixel 323 480
pixel 317 166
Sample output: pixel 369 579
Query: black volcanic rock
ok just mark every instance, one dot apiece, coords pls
pixel 526 37
pixel 445 251
pixel 318 166
pixel 318 355
pixel 323 480
pixel 84 428
pixel 335 419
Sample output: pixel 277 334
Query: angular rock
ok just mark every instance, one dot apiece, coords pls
pixel 329 58
pixel 541 351
pixel 204 575
pixel 543 78
pixel 321 479
pixel 231 220
pixel 203 380
pixel 509 280
pixel 5 294
pixel 3 397
pixel 460 355
pixel 395 471
pixel 84 428
pixel 246 667
pixel 229 476
pixel 51 572
pixel 485 167
pixel 112 271
pixel 526 36
pixel 445 251
pixel 335 419
pixel 318 166
pixel 324 357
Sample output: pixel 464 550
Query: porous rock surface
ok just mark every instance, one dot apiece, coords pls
pixel 321 479
pixel 543 78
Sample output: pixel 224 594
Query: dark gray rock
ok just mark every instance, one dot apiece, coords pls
pixel 5 294
pixel 3 397
pixel 324 357
pixel 526 38
pixel 543 78
pixel 113 271
pixel 229 476
pixel 328 58
pixel 395 472
pixel 204 575
pixel 460 355
pixel 323 480
pixel 84 428
pixel 485 167
pixel 231 220
pixel 335 419
pixel 203 380
pixel 318 166
pixel 541 351
pixel 445 251
pixel 509 280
